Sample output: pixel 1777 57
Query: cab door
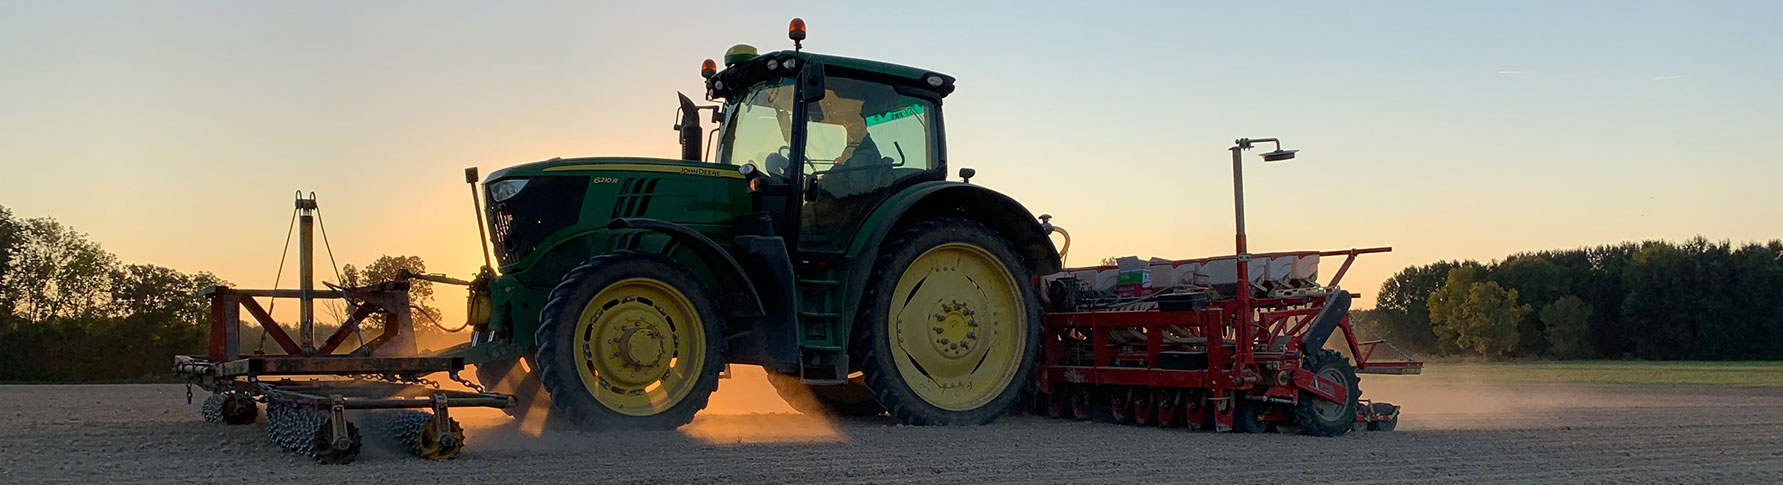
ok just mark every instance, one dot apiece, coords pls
pixel 863 142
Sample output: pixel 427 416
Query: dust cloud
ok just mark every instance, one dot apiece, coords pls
pixel 1434 402
pixel 769 418
pixel 744 410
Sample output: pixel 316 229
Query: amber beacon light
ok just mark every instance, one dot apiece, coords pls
pixel 796 32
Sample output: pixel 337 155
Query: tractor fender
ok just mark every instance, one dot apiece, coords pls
pixel 738 293
pixel 929 200
pixel 1337 306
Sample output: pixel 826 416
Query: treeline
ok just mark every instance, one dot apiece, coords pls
pixel 1696 299
pixel 70 312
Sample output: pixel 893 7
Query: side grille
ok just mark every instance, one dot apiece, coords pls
pixel 634 197
pixel 547 204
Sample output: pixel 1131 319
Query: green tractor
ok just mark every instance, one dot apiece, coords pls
pixel 821 240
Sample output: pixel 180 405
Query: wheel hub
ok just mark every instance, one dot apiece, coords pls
pixel 639 343
pixel 956 329
pixel 641 346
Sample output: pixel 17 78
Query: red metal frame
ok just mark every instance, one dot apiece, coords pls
pixel 390 299
pixel 1243 338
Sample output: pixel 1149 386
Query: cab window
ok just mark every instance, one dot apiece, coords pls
pixel 862 140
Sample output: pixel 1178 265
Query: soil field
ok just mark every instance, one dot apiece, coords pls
pixel 1450 433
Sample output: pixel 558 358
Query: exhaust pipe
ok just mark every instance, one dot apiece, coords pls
pixel 690 129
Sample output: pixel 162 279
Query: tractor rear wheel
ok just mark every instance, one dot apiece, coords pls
pixel 950 327
pixel 630 340
pixel 1319 417
pixel 851 399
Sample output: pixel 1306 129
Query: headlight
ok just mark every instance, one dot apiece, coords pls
pixel 773 64
pixel 506 189
pixel 791 63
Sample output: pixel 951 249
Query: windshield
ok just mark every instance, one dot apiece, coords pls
pixel 760 130
pixel 857 124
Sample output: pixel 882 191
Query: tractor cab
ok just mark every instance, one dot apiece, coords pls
pixel 826 139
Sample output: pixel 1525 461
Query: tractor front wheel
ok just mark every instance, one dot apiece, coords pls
pixel 950 326
pixel 630 340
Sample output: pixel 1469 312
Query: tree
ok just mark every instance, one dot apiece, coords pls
pixel 384 269
pixel 1677 298
pixel 1605 289
pixel 1474 317
pixel 9 241
pixel 56 272
pixel 160 292
pixel 1401 313
pixel 1536 278
pixel 1568 321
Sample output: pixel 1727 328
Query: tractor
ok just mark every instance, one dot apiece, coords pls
pixel 819 238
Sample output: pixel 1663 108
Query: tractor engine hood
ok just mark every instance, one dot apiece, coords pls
pixel 556 211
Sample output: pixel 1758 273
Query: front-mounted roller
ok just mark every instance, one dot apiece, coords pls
pixel 319 431
pixel 312 383
pixel 432 436
pixel 230 408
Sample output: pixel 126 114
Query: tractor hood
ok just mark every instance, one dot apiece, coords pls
pixel 547 216
pixel 568 166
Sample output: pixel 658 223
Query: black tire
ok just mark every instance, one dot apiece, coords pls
pixel 558 371
pixel 1380 408
pixel 1317 416
pixel 882 373
pixel 846 400
pixel 1247 416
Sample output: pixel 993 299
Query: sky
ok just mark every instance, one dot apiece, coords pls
pixel 176 132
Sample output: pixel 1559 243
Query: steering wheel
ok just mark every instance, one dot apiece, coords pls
pixel 778 162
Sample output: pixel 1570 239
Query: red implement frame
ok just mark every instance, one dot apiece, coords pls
pixel 1266 366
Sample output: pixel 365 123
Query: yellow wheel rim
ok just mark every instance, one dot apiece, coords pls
pixel 640 346
pixel 957 322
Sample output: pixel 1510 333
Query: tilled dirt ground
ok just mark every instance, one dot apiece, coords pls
pixel 1450 433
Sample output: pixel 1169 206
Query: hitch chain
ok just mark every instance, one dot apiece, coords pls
pixel 466 382
pixel 398 379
